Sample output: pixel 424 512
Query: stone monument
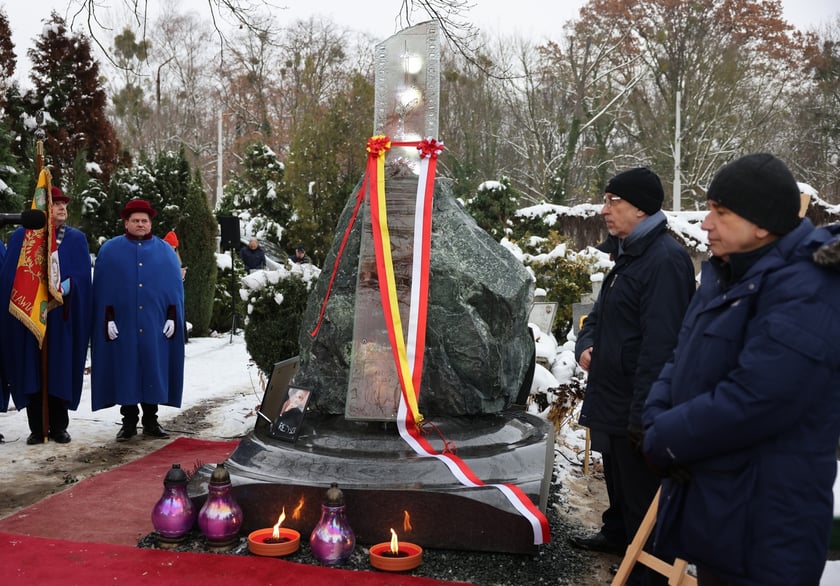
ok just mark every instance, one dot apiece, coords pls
pixel 481 458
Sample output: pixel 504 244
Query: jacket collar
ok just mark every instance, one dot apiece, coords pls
pixel 799 243
pixel 148 236
pixel 639 239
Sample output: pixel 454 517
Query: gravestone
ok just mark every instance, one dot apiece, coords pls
pixel 479 358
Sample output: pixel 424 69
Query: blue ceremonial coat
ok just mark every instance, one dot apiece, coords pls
pixel 750 405
pixel 138 280
pixel 68 328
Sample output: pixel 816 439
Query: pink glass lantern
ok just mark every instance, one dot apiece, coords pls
pixel 174 514
pixel 332 540
pixel 220 518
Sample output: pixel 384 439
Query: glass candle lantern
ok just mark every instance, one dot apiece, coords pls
pixel 174 514
pixel 220 518
pixel 332 540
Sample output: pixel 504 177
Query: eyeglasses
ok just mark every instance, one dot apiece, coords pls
pixel 609 200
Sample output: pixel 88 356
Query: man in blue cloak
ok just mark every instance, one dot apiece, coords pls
pixel 137 353
pixel 68 333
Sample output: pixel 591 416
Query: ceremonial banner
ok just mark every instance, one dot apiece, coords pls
pixel 36 288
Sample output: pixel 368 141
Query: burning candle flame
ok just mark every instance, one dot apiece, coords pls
pixel 395 543
pixel 406 521
pixel 276 533
pixel 298 508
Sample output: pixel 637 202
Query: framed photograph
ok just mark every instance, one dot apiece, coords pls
pixel 276 393
pixel 290 418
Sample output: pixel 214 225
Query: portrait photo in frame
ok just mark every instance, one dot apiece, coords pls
pixel 290 418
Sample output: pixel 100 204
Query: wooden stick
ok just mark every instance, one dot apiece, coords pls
pixel 587 444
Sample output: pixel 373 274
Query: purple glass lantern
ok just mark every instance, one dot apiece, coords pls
pixel 332 540
pixel 174 514
pixel 220 518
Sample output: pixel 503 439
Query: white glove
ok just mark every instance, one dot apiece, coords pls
pixel 113 332
pixel 169 328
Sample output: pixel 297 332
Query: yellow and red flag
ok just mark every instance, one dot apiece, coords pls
pixel 36 288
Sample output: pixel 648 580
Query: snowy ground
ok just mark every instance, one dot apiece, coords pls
pixel 220 376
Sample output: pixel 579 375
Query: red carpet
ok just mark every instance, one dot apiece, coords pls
pixel 114 506
pixel 86 536
pixel 34 560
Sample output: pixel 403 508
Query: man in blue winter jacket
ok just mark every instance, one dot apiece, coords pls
pixel 744 419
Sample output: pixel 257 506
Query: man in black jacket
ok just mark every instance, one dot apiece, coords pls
pixel 253 257
pixel 630 334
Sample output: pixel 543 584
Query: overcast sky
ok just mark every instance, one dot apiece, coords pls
pixel 538 19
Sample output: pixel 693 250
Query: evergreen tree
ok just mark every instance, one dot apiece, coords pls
pixel 8 61
pixel 99 214
pixel 494 206
pixel 182 206
pixel 21 126
pixel 257 194
pixel 172 178
pixel 12 184
pixel 196 232
pixel 326 163
pixel 68 88
pixel 275 311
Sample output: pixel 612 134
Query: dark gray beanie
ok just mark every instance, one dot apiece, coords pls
pixel 759 188
pixel 639 186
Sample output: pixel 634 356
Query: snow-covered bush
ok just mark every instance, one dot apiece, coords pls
pixel 274 304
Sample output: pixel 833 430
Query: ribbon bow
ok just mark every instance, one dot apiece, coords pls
pixel 430 147
pixel 378 145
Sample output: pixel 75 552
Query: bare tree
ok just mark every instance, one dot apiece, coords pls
pixel 732 63
pixel 570 103
pixel 471 121
pixel 814 135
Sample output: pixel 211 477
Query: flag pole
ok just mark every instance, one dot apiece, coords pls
pixel 45 404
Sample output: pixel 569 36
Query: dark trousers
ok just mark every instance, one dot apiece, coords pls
pixel 131 414
pixel 612 519
pixel 635 484
pixel 57 410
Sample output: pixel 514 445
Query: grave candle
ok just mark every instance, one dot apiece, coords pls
pixel 396 555
pixel 274 541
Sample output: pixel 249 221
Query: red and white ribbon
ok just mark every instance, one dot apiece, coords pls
pixel 409 352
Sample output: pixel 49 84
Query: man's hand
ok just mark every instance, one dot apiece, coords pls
pixel 169 328
pixel 113 332
pixel 585 359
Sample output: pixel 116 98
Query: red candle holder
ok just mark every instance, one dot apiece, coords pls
pixel 408 557
pixel 260 542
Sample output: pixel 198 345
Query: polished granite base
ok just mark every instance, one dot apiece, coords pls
pixel 387 485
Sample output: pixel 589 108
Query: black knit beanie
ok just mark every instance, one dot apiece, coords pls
pixel 759 188
pixel 639 186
